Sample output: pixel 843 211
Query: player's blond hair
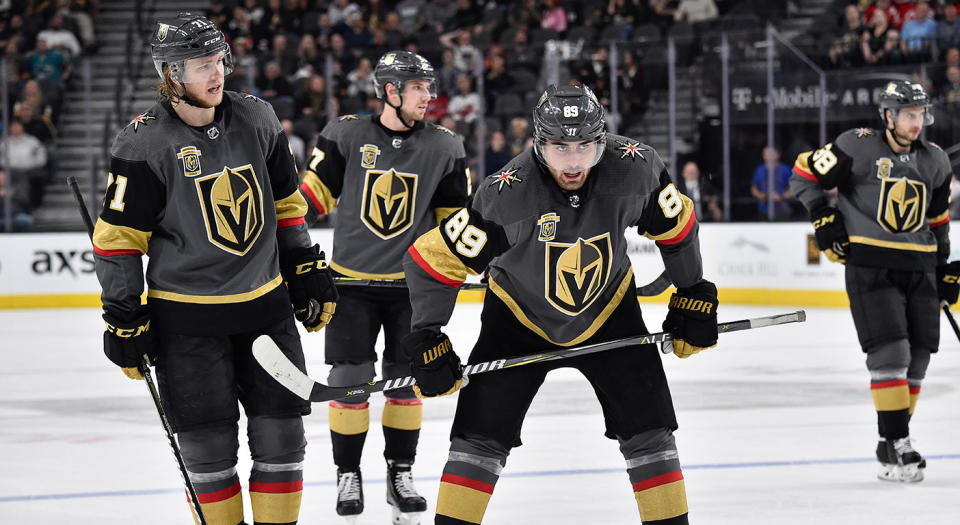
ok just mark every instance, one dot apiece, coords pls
pixel 168 89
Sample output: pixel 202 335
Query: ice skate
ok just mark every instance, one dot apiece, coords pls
pixel 888 463
pixel 349 495
pixel 407 505
pixel 910 464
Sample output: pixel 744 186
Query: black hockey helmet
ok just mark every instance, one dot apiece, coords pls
pixel 187 36
pixel 396 67
pixel 568 113
pixel 899 94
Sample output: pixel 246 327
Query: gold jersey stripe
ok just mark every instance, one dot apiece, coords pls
pixel 319 191
pixel 891 399
pixel 217 299
pixel 443 213
pixel 592 329
pixel 363 275
pixel 939 218
pixel 229 510
pixel 437 254
pixel 275 507
pixel 291 207
pixel 110 237
pixel 402 417
pixel 349 421
pixel 893 245
pixel 662 502
pixel 682 219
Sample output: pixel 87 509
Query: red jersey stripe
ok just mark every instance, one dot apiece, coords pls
pixel 683 233
pixel 427 268
pixel 313 198
pixel 220 495
pixel 292 221
pixel 403 402
pixel 349 406
pixel 804 173
pixel 110 253
pixel 454 479
pixel 888 384
pixel 656 481
pixel 281 487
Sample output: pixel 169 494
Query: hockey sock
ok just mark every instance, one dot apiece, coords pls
pixel 220 496
pixel 349 423
pixel 276 480
pixel 401 428
pixel 891 397
pixel 914 394
pixel 654 469
pixel 472 470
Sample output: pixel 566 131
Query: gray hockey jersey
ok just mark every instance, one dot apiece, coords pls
pixel 557 260
pixel 212 206
pixel 388 187
pixel 894 206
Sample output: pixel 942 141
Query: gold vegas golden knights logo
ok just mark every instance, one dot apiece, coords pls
pixel 903 201
pixel 388 202
pixel 577 272
pixel 232 206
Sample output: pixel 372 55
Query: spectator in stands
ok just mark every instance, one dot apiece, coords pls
pixel 36 122
pixel 948 29
pixel 339 9
pixel 21 220
pixel 254 10
pixel 218 13
pixel 661 14
pixel 950 93
pixel 519 134
pixel 466 105
pixel 497 155
pixel 918 34
pixel 28 158
pixel 283 54
pixel 892 50
pixel 16 65
pixel 466 16
pixel 272 83
pixel 888 9
pixel 696 11
pixel 706 199
pixel 629 12
pixel 439 13
pixel 497 80
pixel 447 74
pixel 554 16
pixel 361 80
pixel 412 15
pixel 465 55
pixel 524 14
pixel 391 25
pixel 873 40
pixel 245 67
pixel 297 146
pixel 356 36
pixel 58 37
pixel 80 21
pixel 375 12
pixel 309 59
pixel 846 51
pixel 343 60
pixel 521 55
pixel 781 181
pixel 378 45
pixel 633 90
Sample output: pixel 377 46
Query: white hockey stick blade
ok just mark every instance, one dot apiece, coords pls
pixel 279 366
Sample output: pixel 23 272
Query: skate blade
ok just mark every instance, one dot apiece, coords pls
pixel 406 518
pixel 911 474
pixel 351 519
pixel 888 472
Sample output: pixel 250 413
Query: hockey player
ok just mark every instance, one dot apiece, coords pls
pixel 391 177
pixel 204 183
pixel 549 230
pixel 890 227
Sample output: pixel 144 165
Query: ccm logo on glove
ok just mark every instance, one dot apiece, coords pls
pixel 127 333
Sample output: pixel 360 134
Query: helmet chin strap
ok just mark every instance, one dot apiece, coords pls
pixel 186 98
pixel 399 113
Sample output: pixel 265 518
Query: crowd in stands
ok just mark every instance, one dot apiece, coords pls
pixel 41 41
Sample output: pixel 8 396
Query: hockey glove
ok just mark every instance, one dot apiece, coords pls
pixel 948 287
pixel 831 234
pixel 310 282
pixel 128 340
pixel 692 319
pixel 433 363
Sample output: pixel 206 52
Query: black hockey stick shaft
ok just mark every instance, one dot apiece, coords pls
pixel 953 322
pixel 272 359
pixel 147 377
pixel 653 288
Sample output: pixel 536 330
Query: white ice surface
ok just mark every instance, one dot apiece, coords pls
pixel 776 427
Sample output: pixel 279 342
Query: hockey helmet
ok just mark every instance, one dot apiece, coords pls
pixel 396 67
pixel 569 113
pixel 188 36
pixel 899 94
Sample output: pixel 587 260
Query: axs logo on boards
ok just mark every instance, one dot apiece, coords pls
pixel 60 262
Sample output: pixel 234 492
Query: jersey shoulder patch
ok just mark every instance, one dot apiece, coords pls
pixel 442 129
pixel 248 98
pixel 347 118
pixel 141 135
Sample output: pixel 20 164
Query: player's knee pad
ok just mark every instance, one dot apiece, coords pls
pixel 889 360
pixel 346 373
pixel 276 440
pixel 653 466
pixel 395 369
pixel 651 444
pixel 482 452
pixel 211 449
pixel 919 361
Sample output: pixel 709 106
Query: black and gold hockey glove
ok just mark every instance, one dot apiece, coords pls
pixel 312 290
pixel 692 319
pixel 128 339
pixel 948 287
pixel 433 363
pixel 831 234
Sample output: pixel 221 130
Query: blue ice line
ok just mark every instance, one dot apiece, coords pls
pixel 532 474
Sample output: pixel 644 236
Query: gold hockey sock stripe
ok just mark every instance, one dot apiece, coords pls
pixel 349 418
pixel 914 396
pixel 463 498
pixel 223 507
pixel 276 502
pixel 661 497
pixel 402 414
pixel 890 395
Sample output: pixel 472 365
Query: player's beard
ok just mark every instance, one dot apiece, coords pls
pixel 410 117
pixel 202 97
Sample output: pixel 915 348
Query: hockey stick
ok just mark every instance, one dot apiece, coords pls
pixel 272 359
pixel 953 322
pixel 148 378
pixel 653 288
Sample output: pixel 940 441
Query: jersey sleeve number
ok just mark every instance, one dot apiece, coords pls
pixel 116 203
pixel 316 157
pixel 824 160
pixel 467 238
pixel 670 202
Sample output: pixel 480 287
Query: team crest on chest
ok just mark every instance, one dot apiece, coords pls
pixel 232 205
pixel 190 156
pixel 631 149
pixel 369 154
pixel 548 226
pixel 903 204
pixel 504 177
pixel 389 201
pixel 576 273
